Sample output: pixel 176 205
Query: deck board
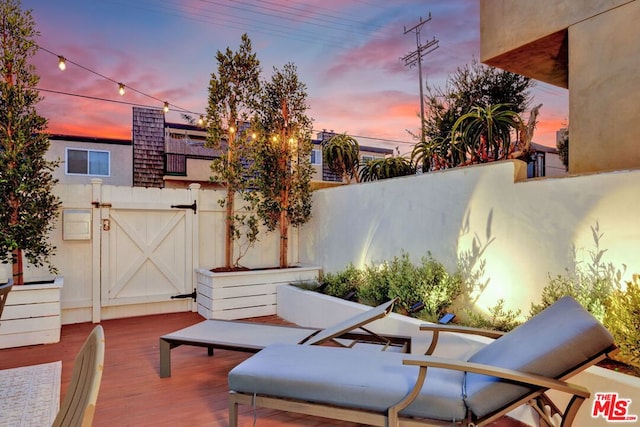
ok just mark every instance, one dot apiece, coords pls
pixel 132 392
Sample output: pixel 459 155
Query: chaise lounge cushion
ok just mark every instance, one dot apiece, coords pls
pixel 555 341
pixel 348 378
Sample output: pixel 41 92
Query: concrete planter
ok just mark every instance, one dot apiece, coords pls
pixel 243 294
pixel 32 315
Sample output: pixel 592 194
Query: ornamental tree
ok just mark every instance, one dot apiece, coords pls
pixel 282 156
pixel 28 207
pixel 233 96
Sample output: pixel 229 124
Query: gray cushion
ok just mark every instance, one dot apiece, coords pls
pixel 348 378
pixel 550 344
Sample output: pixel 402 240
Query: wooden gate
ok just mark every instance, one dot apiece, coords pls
pixel 146 253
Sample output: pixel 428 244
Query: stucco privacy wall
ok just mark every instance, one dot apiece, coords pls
pixel 529 228
pixel 587 46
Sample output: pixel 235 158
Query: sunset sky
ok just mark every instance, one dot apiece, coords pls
pixel 348 53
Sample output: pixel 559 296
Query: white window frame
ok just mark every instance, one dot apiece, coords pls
pixel 318 157
pixel 88 151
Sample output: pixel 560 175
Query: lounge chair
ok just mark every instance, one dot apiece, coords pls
pixel 253 337
pixel 391 389
pixel 5 288
pixel 79 404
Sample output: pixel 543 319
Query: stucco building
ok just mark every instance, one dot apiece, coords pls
pixel 589 47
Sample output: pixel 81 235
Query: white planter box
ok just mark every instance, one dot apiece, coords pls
pixel 32 315
pixel 243 294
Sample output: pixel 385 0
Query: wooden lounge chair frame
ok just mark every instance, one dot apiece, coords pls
pixel 537 398
pixel 5 288
pixel 237 335
pixel 79 404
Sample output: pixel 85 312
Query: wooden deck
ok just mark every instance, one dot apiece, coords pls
pixel 132 392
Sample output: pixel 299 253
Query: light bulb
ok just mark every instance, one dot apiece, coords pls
pixel 62 63
pixel 121 89
pixel 166 107
pixel 201 120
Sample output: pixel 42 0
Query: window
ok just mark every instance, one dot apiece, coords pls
pixel 88 162
pixel 316 157
pixel 367 159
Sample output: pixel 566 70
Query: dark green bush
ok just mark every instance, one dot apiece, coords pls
pixel 427 283
pixel 342 283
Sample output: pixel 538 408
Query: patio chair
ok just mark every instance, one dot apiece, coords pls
pixel 253 337
pixel 391 389
pixel 5 288
pixel 79 405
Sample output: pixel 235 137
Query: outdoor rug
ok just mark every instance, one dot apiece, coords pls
pixel 30 395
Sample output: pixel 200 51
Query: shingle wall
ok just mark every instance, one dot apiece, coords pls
pixel 148 147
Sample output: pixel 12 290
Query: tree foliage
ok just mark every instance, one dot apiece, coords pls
pixel 233 97
pixel 27 205
pixel 341 155
pixel 471 86
pixel 282 155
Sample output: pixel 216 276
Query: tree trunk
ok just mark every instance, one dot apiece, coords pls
pixel 284 239
pixel 17 267
pixel 228 243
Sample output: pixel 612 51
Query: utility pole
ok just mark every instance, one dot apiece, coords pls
pixel 415 57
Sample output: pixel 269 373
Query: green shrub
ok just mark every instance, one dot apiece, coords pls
pixel 428 283
pixel 342 283
pixel 500 319
pixel 374 289
pixel 622 319
pixel 590 286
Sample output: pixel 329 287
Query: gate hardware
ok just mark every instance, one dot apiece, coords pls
pixel 97 204
pixel 193 206
pixel 181 296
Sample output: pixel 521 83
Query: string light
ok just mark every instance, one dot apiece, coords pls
pixel 62 65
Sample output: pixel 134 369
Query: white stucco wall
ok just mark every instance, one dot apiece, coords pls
pixel 532 226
